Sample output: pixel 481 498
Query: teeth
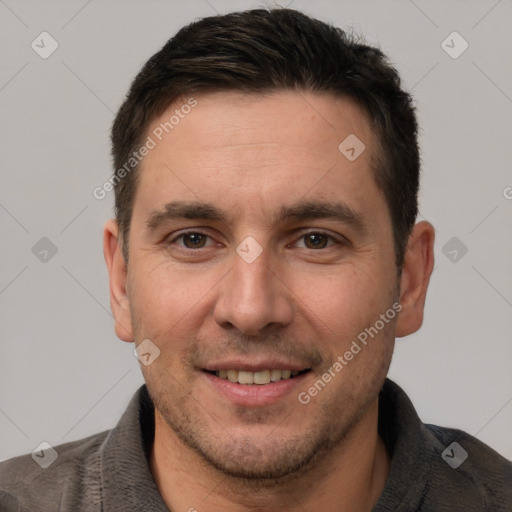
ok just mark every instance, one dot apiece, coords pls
pixel 245 377
pixel 261 377
pixel 275 375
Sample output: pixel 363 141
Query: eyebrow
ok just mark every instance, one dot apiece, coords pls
pixel 185 210
pixel 302 210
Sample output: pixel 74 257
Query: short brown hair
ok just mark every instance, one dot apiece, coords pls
pixel 268 50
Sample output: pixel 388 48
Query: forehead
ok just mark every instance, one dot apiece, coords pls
pixel 248 150
pixel 310 121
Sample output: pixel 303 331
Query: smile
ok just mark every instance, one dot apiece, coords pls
pixel 259 378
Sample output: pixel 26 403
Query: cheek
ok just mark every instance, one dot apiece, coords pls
pixel 167 303
pixel 343 304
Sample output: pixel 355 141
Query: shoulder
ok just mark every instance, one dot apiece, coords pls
pixel 437 468
pixel 43 477
pixel 465 468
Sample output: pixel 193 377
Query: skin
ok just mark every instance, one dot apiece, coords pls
pixel 297 301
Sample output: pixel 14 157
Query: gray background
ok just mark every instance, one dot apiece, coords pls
pixel 63 372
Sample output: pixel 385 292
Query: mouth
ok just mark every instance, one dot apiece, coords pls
pixel 256 383
pixel 257 378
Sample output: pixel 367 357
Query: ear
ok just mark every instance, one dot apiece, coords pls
pixel 117 272
pixel 416 271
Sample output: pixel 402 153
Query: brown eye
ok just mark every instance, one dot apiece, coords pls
pixel 316 240
pixel 194 240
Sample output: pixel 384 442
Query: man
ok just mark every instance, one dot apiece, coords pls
pixel 264 257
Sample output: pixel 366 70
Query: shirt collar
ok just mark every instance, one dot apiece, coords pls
pixel 409 447
pixel 127 482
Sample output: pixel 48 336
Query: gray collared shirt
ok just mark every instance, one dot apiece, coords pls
pixel 433 469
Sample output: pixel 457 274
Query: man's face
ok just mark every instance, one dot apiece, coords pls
pixel 257 291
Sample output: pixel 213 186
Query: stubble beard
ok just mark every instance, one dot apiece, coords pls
pixel 260 464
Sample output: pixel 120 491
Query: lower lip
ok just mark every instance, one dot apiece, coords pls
pixel 254 394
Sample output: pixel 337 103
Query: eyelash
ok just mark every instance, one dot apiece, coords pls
pixel 303 235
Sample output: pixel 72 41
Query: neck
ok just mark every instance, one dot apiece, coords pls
pixel 349 478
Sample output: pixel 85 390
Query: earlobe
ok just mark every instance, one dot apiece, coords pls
pixel 117 272
pixel 416 272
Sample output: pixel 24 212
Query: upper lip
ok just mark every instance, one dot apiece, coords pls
pixel 256 366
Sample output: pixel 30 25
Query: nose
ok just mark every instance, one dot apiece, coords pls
pixel 253 297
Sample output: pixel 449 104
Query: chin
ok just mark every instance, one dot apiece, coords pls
pixel 258 455
pixel 259 463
